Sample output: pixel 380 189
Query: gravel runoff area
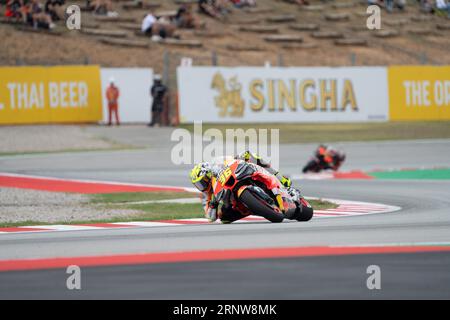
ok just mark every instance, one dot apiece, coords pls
pixel 18 205
pixel 48 138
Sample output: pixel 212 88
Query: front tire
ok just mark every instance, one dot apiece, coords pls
pixel 311 166
pixel 259 208
pixel 305 214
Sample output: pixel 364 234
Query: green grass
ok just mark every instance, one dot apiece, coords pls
pixel 139 196
pixel 323 132
pixel 426 174
pixel 149 212
pixel 160 211
pixel 322 204
pixel 164 211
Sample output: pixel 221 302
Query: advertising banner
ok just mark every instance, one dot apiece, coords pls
pixel 266 94
pixel 64 94
pixel 419 92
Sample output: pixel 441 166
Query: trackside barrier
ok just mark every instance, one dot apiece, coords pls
pixel 277 94
pixel 314 94
pixel 71 94
pixel 419 92
pixel 50 94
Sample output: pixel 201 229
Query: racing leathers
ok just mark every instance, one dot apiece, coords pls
pixel 328 157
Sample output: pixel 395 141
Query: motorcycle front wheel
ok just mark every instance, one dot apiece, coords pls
pixel 258 207
pixel 311 166
pixel 305 214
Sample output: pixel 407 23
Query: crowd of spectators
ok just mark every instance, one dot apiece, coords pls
pixel 35 13
pixel 101 7
pixel 160 27
pixel 44 13
pixel 299 2
pixel 164 26
pixel 185 18
pixel 157 28
pixel 436 7
pixel 220 9
pixel 429 6
pixel 390 5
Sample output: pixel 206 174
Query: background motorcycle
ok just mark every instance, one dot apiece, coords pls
pixel 314 165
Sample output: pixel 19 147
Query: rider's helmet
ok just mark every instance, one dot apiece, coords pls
pixel 321 150
pixel 201 176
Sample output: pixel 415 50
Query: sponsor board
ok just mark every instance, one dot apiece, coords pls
pixel 258 94
pixel 50 94
pixel 419 92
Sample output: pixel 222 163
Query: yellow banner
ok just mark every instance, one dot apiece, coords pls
pixel 419 92
pixel 50 94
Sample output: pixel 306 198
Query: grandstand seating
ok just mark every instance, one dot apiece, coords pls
pixel 274 26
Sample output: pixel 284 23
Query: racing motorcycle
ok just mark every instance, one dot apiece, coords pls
pixel 255 191
pixel 318 163
pixel 314 165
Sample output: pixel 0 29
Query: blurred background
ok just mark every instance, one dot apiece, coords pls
pixel 115 34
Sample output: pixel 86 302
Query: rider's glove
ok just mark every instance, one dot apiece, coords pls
pixel 246 155
pixel 211 214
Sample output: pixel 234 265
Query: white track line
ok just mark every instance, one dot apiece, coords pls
pixel 340 212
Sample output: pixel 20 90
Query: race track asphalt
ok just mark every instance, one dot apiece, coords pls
pixel 403 276
pixel 424 218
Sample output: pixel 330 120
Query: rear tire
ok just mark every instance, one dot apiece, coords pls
pixel 257 207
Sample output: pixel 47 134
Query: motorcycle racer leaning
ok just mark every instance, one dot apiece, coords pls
pixel 329 157
pixel 201 177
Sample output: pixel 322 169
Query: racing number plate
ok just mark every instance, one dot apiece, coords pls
pixel 223 177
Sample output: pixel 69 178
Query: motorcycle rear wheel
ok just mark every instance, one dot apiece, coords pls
pixel 259 208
